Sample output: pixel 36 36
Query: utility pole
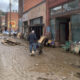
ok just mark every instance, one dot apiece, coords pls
pixel 10 20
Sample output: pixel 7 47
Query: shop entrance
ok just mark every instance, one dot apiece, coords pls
pixel 63 24
pixel 38 30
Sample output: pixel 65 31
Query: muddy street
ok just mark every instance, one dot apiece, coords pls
pixel 53 64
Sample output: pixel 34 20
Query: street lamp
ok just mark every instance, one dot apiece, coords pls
pixel 10 20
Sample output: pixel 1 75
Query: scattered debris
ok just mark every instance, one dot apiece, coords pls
pixel 1 34
pixel 19 35
pixel 10 41
pixel 64 78
pixel 77 75
pixel 73 47
pixel 66 47
pixel 76 66
pixel 40 78
pixel 36 64
pixel 46 41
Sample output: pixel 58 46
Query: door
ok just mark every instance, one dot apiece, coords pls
pixel 62 33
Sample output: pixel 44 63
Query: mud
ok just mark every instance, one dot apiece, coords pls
pixel 54 64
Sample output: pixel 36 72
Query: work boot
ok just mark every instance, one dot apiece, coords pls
pixel 33 53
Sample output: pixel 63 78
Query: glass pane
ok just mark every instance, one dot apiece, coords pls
pixel 56 10
pixel 75 19
pixel 71 5
pixel 36 21
pixel 75 4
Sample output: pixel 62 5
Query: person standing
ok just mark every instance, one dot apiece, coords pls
pixel 32 41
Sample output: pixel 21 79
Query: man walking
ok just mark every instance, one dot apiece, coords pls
pixel 32 41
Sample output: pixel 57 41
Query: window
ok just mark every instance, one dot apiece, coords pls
pixel 75 20
pixel 71 5
pixel 56 10
pixel 65 7
pixel 36 21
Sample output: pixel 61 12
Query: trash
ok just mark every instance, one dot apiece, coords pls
pixel 50 43
pixel 76 50
pixel 10 41
pixel 40 78
pixel 64 78
pixel 1 34
pixel 75 47
pixel 19 35
pixel 41 39
pixel 77 75
pixel 36 64
pixel 67 46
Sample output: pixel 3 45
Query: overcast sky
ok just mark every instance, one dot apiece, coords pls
pixel 4 5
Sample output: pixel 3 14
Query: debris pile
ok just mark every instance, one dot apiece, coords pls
pixel 10 41
pixel 73 47
pixel 77 74
pixel 19 35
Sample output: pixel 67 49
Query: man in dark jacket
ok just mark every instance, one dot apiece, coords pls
pixel 32 41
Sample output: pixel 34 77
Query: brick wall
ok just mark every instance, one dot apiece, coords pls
pixel 38 12
pixel 2 20
pixel 14 18
pixel 30 3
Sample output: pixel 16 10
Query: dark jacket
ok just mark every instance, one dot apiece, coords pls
pixel 32 38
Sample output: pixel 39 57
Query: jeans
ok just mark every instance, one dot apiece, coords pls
pixel 32 46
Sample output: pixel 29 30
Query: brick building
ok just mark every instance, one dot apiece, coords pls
pixel 14 21
pixel 34 16
pixel 64 18
pixel 2 22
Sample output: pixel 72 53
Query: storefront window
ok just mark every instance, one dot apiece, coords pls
pixel 75 20
pixel 36 21
pixel 71 5
pixel 65 7
pixel 56 10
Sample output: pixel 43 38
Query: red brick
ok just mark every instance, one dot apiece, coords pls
pixel 14 17
pixel 28 4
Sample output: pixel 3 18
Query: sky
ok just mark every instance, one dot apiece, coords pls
pixel 4 5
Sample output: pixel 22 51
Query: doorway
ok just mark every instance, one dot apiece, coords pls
pixel 64 32
pixel 63 24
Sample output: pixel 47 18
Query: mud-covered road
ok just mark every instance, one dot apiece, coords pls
pixel 53 64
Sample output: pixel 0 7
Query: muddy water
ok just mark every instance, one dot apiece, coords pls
pixel 53 64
